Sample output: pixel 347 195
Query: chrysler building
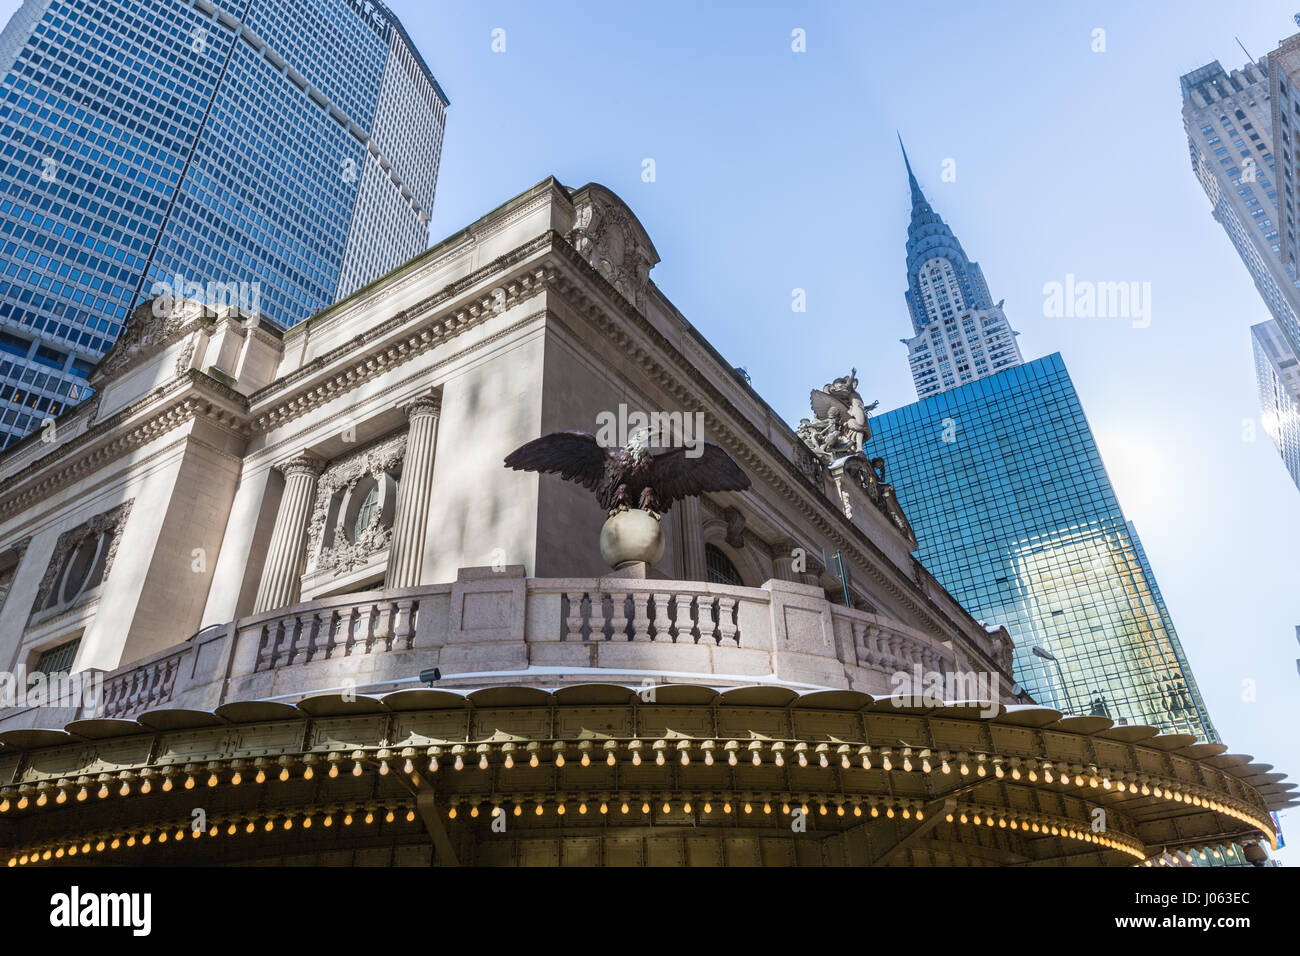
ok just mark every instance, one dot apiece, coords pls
pixel 960 334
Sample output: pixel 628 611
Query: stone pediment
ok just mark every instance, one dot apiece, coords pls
pixel 152 326
pixel 610 237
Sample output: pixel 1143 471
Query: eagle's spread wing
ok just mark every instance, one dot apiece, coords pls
pixel 675 474
pixel 822 403
pixel 574 456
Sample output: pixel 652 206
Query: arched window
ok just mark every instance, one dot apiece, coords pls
pixel 720 568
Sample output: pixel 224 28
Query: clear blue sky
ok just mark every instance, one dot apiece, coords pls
pixel 778 170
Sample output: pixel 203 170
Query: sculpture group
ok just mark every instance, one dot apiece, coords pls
pixel 841 426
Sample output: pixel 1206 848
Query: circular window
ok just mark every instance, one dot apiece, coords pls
pixel 78 567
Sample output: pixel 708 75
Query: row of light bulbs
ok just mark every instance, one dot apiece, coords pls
pixel 1046 825
pixel 619 804
pixel 626 802
pixel 227 825
pixel 1189 855
pixel 459 756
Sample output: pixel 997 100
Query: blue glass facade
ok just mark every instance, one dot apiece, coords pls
pixel 270 154
pixel 1016 517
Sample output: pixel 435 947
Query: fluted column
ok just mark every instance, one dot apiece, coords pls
pixel 783 561
pixel 694 566
pixel 406 557
pixel 284 556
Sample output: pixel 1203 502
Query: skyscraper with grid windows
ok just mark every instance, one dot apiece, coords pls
pixel 1241 137
pixel 274 155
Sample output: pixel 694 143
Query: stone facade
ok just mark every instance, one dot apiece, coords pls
pixel 251 454
pixel 303 526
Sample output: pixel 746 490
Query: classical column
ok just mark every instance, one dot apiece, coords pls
pixel 694 566
pixel 284 556
pixel 406 556
pixel 783 561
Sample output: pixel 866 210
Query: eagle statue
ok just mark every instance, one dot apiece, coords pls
pixel 631 476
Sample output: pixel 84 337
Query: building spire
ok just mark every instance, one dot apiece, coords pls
pixel 918 197
pixel 929 238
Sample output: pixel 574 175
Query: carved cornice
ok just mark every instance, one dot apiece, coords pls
pixel 358 365
pixel 84 457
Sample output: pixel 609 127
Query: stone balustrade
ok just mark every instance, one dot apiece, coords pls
pixel 498 627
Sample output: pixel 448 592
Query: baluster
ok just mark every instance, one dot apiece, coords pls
pixel 663 623
pixel 573 621
pixel 361 631
pixel 403 632
pixel 383 628
pixel 728 630
pixel 618 617
pixel 266 645
pixel 640 616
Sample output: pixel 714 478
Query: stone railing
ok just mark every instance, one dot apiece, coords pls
pixel 498 627
pixel 644 612
pixel 149 683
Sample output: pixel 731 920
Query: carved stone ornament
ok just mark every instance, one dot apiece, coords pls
pixel 150 326
pixel 332 543
pixel 841 423
pixel 12 557
pixel 606 235
pixel 108 525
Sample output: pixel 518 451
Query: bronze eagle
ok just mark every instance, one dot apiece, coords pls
pixel 630 477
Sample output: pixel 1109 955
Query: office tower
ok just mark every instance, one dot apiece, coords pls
pixel 1016 517
pixel 273 155
pixel 1278 378
pixel 1238 126
pixel 960 334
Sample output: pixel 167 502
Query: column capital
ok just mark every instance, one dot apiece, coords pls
pixel 302 463
pixel 426 404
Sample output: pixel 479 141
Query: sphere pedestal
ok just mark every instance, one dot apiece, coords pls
pixel 631 537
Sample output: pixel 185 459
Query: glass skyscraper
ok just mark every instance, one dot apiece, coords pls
pixel 275 155
pixel 1016 517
